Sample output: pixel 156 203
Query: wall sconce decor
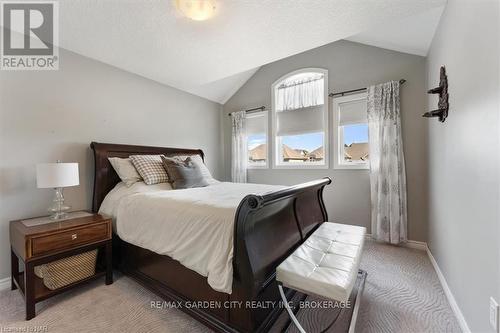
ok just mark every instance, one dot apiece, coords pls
pixel 442 111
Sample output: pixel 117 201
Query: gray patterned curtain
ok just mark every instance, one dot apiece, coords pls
pixel 239 148
pixel 387 165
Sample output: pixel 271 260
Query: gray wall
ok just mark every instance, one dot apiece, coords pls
pixel 45 116
pixel 464 157
pixel 350 66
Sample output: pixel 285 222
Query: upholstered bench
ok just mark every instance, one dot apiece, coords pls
pixel 325 265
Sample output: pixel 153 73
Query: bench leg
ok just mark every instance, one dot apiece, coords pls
pixel 290 312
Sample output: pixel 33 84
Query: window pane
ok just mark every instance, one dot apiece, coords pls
pixel 355 143
pixel 303 148
pixel 257 149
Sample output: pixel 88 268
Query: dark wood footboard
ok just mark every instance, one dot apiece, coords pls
pixel 267 229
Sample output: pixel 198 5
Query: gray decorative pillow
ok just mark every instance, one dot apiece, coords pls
pixel 204 170
pixel 184 173
pixel 150 168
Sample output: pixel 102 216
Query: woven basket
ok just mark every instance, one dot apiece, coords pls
pixel 65 271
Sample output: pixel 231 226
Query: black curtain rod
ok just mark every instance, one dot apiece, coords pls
pixel 342 93
pixel 260 108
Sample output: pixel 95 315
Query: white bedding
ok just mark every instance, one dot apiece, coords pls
pixel 194 226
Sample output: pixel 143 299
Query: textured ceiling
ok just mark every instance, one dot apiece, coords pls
pixel 214 58
pixel 410 34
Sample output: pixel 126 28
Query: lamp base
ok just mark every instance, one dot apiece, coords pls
pixel 59 216
pixel 59 209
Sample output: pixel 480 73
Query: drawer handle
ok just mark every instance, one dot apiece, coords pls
pixel 74 236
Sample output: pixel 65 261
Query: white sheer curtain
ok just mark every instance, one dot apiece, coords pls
pixel 387 165
pixel 300 91
pixel 239 149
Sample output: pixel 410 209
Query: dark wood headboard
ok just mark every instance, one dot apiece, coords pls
pixel 105 177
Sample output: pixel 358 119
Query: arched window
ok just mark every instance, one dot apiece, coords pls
pixel 300 119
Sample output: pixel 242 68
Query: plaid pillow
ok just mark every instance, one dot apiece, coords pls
pixel 150 167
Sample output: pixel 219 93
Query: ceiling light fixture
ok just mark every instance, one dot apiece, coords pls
pixel 198 10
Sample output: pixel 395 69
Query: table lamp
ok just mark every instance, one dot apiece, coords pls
pixel 57 176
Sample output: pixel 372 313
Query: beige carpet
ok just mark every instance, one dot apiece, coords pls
pixel 402 294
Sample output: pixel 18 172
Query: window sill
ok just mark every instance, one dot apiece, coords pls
pixel 300 167
pixel 257 167
pixel 359 166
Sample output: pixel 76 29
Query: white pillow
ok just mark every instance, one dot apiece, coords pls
pixel 125 170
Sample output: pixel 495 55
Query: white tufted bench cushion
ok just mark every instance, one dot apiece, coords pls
pixel 327 263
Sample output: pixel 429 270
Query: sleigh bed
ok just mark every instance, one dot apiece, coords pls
pixel 267 228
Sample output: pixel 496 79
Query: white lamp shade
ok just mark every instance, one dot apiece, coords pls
pixel 52 175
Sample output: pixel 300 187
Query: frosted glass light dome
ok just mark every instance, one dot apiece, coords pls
pixel 198 10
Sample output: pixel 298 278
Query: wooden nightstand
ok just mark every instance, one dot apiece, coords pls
pixel 34 242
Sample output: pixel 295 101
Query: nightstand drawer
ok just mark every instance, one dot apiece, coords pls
pixel 68 239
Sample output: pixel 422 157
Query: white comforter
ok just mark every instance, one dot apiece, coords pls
pixel 194 226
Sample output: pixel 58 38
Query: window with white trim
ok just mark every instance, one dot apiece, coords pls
pixel 350 126
pixel 300 119
pixel 256 128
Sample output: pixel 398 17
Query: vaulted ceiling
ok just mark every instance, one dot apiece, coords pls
pixel 214 58
pixel 411 34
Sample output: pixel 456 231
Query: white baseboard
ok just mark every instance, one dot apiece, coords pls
pixel 409 244
pixel 422 246
pixel 5 283
pixel 447 291
pixel 449 295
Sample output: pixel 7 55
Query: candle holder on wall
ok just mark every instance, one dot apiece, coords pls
pixel 442 111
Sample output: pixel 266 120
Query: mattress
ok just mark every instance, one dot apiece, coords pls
pixel 194 226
